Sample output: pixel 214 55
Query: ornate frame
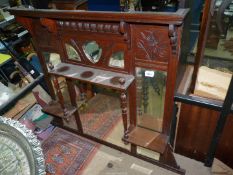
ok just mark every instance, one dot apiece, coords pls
pixel 27 141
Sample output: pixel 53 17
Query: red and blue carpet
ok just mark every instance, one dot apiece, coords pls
pixel 67 153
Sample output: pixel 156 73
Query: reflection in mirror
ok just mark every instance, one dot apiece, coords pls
pixel 148 153
pixel 61 88
pixel 51 59
pixel 216 70
pixel 151 87
pixel 72 53
pixel 92 51
pixel 100 113
pixel 117 59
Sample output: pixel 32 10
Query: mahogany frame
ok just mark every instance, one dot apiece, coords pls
pixel 160 51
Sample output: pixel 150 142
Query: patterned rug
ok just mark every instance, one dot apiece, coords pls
pixel 66 153
pixel 101 114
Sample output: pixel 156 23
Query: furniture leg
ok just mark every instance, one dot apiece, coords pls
pixel 123 98
pixel 71 90
pixel 59 93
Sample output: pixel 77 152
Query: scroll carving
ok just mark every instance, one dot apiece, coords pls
pixel 154 47
pixel 124 30
pixel 49 24
pixel 173 38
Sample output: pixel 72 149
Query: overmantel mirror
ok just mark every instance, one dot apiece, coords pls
pixel 120 74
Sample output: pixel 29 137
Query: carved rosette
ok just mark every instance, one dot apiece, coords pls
pixel 153 45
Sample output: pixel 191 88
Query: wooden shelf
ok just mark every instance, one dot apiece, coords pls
pixel 148 139
pixel 54 109
pixel 93 75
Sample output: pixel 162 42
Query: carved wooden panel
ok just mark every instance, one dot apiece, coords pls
pixel 151 43
pixel 145 40
pixel 43 36
pixel 195 130
pixel 108 45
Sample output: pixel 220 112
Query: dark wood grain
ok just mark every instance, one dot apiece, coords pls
pixel 70 4
pixel 195 130
pixel 152 140
pixel 148 40
pixel 99 77
pixel 54 108
pixel 73 97
pixel 224 150
pixel 201 40
pixel 138 17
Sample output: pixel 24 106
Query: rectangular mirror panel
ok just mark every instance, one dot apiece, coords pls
pixel 151 89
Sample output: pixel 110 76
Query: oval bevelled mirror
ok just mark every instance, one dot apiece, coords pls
pixel 72 53
pixel 92 51
pixel 117 60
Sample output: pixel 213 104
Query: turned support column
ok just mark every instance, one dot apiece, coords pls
pixel 124 110
pixel 123 98
pixel 58 92
pixel 145 91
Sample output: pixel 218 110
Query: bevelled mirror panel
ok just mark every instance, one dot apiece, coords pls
pixel 72 53
pixel 117 60
pixel 92 51
pixel 151 90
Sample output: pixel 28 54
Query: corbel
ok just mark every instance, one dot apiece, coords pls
pixel 49 24
pixel 125 31
pixel 172 33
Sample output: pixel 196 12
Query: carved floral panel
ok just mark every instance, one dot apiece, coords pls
pixel 152 44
